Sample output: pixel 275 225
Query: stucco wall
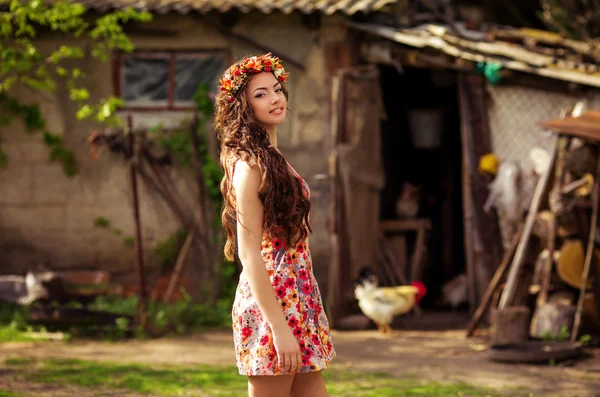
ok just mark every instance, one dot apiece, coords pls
pixel 47 218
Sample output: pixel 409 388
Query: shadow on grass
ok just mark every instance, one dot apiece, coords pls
pixel 224 381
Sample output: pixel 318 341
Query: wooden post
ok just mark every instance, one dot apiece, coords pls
pixel 133 165
pixel 334 297
pixel 589 253
pixel 482 237
pixel 562 143
pixel 468 210
pixel 500 272
pixel 511 282
pixel 511 325
pixel 544 313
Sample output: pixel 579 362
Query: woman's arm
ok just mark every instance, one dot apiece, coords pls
pixel 246 182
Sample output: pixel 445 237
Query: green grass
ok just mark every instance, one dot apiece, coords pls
pixel 224 381
pixel 9 334
pixel 164 381
pixel 9 394
pixel 376 384
pixel 17 361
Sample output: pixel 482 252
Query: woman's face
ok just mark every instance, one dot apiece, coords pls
pixel 265 96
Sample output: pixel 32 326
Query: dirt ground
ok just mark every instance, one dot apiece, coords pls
pixel 435 355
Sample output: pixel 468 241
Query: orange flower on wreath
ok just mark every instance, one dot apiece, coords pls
pixel 231 83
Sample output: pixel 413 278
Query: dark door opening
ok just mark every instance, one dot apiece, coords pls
pixel 421 149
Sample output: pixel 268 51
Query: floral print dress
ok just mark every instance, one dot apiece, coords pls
pixel 290 271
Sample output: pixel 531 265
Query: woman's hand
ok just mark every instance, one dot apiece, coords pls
pixel 288 349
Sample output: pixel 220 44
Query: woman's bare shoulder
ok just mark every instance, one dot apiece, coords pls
pixel 245 172
pixel 246 165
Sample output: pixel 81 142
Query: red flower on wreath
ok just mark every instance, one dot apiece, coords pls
pixel 231 83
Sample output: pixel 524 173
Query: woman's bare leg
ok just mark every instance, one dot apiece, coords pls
pixel 270 386
pixel 309 384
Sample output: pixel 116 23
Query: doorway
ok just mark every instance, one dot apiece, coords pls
pixel 421 153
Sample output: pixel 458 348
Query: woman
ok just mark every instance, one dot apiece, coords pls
pixel 279 325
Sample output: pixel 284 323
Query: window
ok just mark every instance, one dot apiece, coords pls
pixel 166 79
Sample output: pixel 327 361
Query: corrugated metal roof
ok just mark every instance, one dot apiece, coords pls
pixel 326 7
pixel 525 50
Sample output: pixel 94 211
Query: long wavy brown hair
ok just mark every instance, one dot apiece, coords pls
pixel 240 136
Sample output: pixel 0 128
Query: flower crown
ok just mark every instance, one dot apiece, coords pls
pixel 232 81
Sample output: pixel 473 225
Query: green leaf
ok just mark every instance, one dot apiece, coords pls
pixel 31 115
pixel 56 153
pixel 585 340
pixel 84 112
pixel 204 103
pixel 66 158
pixel 39 84
pixel 3 158
pixel 79 94
pixel 62 71
pixel 128 241
pixel 51 139
pixel 101 222
pixel 76 73
pixel 66 52
pixel 23 65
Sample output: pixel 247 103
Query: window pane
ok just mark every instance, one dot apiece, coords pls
pixel 145 80
pixel 191 72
